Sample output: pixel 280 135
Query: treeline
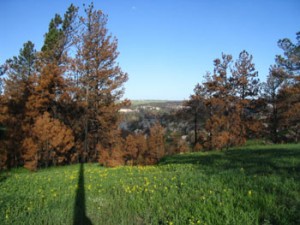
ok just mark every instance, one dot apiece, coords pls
pixel 60 105
pixel 232 105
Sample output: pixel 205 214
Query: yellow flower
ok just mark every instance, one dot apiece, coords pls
pixel 191 222
pixel 249 192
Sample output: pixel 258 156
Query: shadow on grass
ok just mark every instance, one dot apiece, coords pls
pixel 79 216
pixel 2 177
pixel 256 160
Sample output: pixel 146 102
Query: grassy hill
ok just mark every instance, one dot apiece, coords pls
pixel 155 103
pixel 257 184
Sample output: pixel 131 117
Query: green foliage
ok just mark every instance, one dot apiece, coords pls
pixel 258 184
pixel 291 59
pixel 58 38
pixel 22 66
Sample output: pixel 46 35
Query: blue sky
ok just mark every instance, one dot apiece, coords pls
pixel 166 46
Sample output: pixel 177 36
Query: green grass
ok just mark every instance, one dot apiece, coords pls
pixel 257 184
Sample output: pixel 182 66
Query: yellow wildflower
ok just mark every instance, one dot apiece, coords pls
pixel 249 192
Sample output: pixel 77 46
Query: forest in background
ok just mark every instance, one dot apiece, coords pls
pixel 61 104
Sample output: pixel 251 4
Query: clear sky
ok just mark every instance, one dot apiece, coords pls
pixel 166 46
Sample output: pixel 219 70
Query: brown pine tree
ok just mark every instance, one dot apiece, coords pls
pixel 100 83
pixel 141 145
pixel 130 150
pixel 49 144
pixel 135 149
pixel 290 92
pixel 275 81
pixel 246 87
pixel 49 92
pixel 221 108
pixel 195 112
pixel 113 154
pixel 45 98
pixel 57 109
pixel 156 144
pixel 224 99
pixel 18 86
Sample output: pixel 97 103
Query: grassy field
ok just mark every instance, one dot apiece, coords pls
pixel 254 185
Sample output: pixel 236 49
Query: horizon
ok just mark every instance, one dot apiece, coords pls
pixel 166 47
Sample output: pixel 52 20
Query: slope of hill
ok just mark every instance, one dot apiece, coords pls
pixel 163 104
pixel 252 185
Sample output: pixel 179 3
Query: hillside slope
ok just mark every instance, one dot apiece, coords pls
pixel 251 185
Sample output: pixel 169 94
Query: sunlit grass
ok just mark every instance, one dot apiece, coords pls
pixel 252 185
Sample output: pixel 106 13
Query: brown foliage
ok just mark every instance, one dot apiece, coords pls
pixel 130 150
pixel 291 112
pixel 156 144
pixel 226 99
pixel 59 109
pixel 31 155
pixel 111 156
pixel 100 83
pixel 50 143
pixel 135 149
pixel 3 155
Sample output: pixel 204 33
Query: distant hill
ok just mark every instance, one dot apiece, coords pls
pixel 156 103
pixel 152 105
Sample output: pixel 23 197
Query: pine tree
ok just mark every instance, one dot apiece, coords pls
pixel 196 112
pixel 221 124
pixel 131 150
pixel 290 93
pixel 225 99
pixel 100 83
pixel 3 149
pixel 49 91
pixel 156 144
pixel 58 108
pixel 18 87
pixel 135 148
pixel 60 37
pixel 275 81
pixel 141 145
pixel 246 88
pixel 49 143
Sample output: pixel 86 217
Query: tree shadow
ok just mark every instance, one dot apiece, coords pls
pixel 4 174
pixel 281 161
pixel 3 177
pixel 80 216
